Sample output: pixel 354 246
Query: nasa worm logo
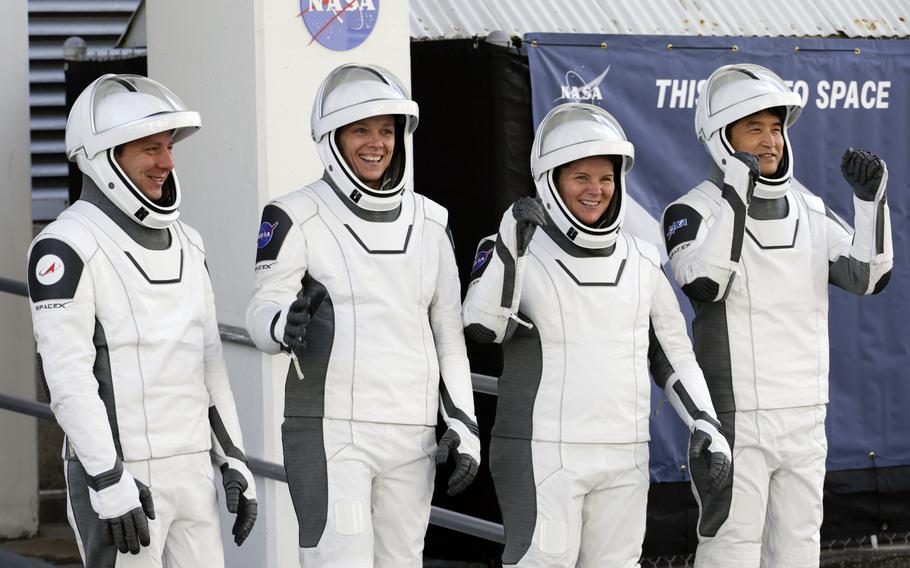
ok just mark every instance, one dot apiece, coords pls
pixel 577 89
pixel 339 24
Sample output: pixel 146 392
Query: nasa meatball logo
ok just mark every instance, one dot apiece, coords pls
pixel 49 269
pixel 266 230
pixel 339 24
pixel 480 260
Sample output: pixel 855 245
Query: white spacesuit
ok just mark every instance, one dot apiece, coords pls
pixel 124 319
pixel 359 283
pixel 757 268
pixel 581 309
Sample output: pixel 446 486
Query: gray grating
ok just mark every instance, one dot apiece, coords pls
pixel 50 22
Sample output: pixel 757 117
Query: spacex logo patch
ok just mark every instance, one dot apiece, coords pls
pixel 52 306
pixel 49 269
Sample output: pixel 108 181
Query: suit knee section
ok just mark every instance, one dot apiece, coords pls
pixel 803 556
pixel 713 554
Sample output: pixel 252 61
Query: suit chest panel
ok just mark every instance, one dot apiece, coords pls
pixel 383 265
pixel 584 302
pixel 777 259
pixel 145 299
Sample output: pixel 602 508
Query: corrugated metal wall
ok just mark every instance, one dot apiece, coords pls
pixel 50 22
pixel 453 19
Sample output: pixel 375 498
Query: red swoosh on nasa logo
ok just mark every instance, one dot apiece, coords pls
pixel 49 269
pixel 302 12
pixel 322 29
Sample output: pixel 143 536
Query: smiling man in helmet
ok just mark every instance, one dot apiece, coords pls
pixel 755 257
pixel 124 319
pixel 356 279
pixel 582 309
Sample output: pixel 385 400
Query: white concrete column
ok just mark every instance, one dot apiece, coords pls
pixel 251 69
pixel 18 433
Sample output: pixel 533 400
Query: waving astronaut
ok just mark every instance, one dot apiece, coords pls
pixel 582 308
pixel 755 258
pixel 124 319
pixel 356 279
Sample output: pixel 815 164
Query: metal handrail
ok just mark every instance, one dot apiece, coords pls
pixel 31 408
pixel 238 335
pixel 13 287
pixel 440 517
pixel 445 518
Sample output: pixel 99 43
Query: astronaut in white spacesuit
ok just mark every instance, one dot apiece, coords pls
pixel 756 263
pixel 582 309
pixel 124 319
pixel 356 279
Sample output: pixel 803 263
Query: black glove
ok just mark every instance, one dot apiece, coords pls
pixel 299 313
pixel 130 531
pixel 247 509
pixel 298 318
pixel 465 466
pixel 863 171
pixel 235 484
pixel 709 457
pixel 751 162
pixel 529 215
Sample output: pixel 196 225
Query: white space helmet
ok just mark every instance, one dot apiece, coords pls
pixel 350 93
pixel 733 92
pixel 114 110
pixel 569 132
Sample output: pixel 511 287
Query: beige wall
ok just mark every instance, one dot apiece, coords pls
pixel 18 433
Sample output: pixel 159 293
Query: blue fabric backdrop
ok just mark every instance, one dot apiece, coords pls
pixel 855 93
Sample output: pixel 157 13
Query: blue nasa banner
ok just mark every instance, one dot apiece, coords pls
pixel 855 93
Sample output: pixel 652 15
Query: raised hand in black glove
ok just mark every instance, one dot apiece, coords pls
pixel 300 311
pixel 130 531
pixel 863 171
pixel 466 464
pixel 528 215
pixel 709 457
pixel 750 161
pixel 236 483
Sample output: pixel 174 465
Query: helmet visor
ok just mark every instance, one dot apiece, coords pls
pixel 740 90
pixel 354 92
pixel 129 107
pixel 573 131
